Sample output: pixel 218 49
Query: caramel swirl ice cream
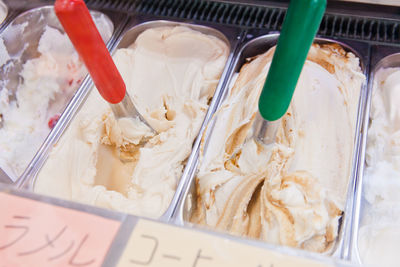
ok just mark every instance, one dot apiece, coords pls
pixel 293 191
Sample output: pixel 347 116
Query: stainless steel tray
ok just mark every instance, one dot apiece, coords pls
pixel 381 57
pixel 255 47
pixel 21 37
pixel 129 34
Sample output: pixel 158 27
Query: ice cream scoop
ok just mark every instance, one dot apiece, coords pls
pixel 299 28
pixel 80 28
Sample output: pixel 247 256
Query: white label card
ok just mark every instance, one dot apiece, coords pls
pixel 158 244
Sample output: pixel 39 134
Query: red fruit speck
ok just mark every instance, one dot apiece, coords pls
pixel 53 121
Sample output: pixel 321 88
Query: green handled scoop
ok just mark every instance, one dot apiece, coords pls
pixel 299 28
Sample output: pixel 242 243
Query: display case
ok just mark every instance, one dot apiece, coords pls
pixel 77 220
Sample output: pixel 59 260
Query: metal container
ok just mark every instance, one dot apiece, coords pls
pixel 3 9
pixel 381 57
pixel 250 49
pixel 133 29
pixel 21 41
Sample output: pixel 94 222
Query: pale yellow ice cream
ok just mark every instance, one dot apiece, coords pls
pixel 379 234
pixel 171 74
pixel 292 192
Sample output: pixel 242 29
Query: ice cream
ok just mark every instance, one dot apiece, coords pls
pixel 379 235
pixel 171 74
pixel 292 192
pixel 37 83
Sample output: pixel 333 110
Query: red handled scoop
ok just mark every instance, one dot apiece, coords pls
pixel 81 30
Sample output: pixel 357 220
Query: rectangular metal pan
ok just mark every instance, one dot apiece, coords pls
pixel 255 47
pixel 381 57
pixel 129 34
pixel 21 37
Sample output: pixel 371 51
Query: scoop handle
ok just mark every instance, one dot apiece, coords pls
pixel 81 30
pixel 299 28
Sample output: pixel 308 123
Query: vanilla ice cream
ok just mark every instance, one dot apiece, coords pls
pixel 37 83
pixel 379 234
pixel 171 74
pixel 292 192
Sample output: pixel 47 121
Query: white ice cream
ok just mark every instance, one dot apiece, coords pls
pixel 171 74
pixel 292 192
pixel 36 92
pixel 379 237
pixel 55 74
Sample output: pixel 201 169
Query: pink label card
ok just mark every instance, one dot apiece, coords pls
pixel 34 233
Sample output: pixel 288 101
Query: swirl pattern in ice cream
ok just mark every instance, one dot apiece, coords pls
pixel 292 192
